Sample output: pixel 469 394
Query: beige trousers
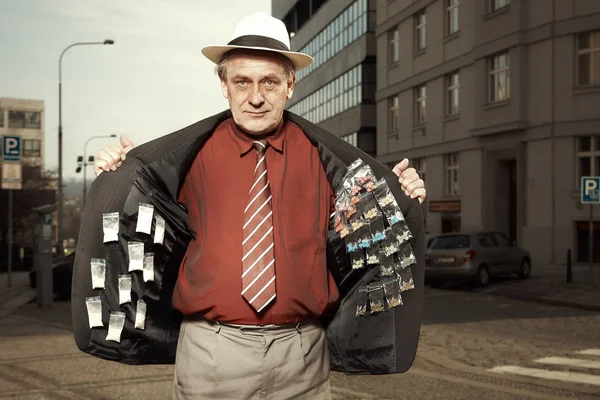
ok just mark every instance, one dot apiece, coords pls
pixel 217 361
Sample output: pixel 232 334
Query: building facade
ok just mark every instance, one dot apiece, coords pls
pixel 24 118
pixel 338 90
pixel 497 102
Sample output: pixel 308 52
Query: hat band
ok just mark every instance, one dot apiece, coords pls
pixel 258 41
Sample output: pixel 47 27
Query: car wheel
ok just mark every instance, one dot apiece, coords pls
pixel 525 270
pixel 483 275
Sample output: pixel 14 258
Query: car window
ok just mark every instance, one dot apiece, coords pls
pixel 487 240
pixel 502 239
pixel 451 242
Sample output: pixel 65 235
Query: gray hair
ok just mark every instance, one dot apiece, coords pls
pixel 288 65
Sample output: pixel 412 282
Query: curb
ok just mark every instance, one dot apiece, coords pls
pixel 16 300
pixel 548 300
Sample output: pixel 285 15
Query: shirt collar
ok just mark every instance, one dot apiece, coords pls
pixel 244 141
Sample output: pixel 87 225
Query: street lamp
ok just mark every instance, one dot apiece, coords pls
pixel 60 177
pixel 84 162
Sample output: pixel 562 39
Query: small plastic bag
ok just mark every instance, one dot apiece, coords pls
pixel 136 256
pixel 402 232
pixel 358 260
pixel 406 256
pixel 362 301
pixel 159 230
pixel 383 194
pixel 350 183
pixel 391 290
pixel 373 254
pixel 357 221
pixel 393 214
pixel 377 228
pixel 140 315
pixel 94 309
pixel 387 268
pixel 98 270
pixel 148 267
pixel 364 178
pixel 405 279
pixel 144 220
pixel 124 288
pixel 351 242
pixel 110 226
pixel 375 292
pixel 364 237
pixel 390 244
pixel 115 326
pixel 368 206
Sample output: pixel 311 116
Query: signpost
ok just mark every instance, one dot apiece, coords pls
pixel 590 194
pixel 11 180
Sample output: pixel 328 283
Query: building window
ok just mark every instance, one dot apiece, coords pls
pixel 351 138
pixel 1 117
pixel 452 94
pixel 451 162
pixel 339 95
pixel 394 106
pixel 498 4
pixel 588 157
pixel 420 165
pixel 588 58
pixel 420 105
pixel 452 17
pixel 499 77
pixel 394 38
pixel 32 148
pixel 24 119
pixel 342 31
pixel 420 31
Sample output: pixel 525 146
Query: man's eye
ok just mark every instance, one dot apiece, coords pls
pixel 269 82
pixel 242 83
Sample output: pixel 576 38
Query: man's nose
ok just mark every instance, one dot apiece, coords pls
pixel 256 98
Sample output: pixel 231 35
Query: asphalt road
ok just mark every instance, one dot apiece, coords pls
pixel 473 346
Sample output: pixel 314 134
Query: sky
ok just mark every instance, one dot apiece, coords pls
pixel 152 81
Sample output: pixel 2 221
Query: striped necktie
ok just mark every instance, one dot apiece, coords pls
pixel 258 262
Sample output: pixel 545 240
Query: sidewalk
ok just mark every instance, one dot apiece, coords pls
pixel 18 294
pixel 548 285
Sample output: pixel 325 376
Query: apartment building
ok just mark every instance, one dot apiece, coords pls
pixel 338 90
pixel 497 102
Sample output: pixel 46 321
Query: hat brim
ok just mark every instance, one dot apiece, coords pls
pixel 215 53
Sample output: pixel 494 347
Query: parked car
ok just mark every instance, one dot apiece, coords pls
pixel 62 273
pixel 476 256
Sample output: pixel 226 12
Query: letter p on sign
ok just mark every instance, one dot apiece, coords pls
pixel 590 186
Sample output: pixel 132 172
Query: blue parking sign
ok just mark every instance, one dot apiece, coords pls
pixel 11 148
pixel 590 189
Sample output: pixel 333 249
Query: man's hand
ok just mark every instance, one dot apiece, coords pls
pixel 412 184
pixel 112 156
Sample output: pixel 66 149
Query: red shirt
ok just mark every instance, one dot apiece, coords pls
pixel 215 192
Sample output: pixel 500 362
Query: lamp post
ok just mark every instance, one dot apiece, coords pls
pixel 60 177
pixel 85 162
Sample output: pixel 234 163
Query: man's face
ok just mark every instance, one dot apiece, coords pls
pixel 257 88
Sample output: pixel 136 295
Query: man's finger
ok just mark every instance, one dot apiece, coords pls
pixel 400 167
pixel 126 144
pixel 113 154
pixel 408 172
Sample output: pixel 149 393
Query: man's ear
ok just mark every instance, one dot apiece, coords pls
pixel 224 88
pixel 290 88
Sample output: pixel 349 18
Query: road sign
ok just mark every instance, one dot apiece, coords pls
pixel 11 176
pixel 590 189
pixel 11 148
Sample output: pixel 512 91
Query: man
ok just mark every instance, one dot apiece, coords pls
pixel 232 218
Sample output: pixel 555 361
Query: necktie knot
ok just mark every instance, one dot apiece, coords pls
pixel 260 145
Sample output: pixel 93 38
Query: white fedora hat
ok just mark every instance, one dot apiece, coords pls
pixel 259 31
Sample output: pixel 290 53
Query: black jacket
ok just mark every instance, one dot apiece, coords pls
pixel 153 173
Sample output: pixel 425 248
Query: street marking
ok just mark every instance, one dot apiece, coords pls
pixel 589 352
pixel 569 362
pixel 574 377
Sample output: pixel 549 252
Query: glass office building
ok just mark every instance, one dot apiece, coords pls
pixel 338 90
